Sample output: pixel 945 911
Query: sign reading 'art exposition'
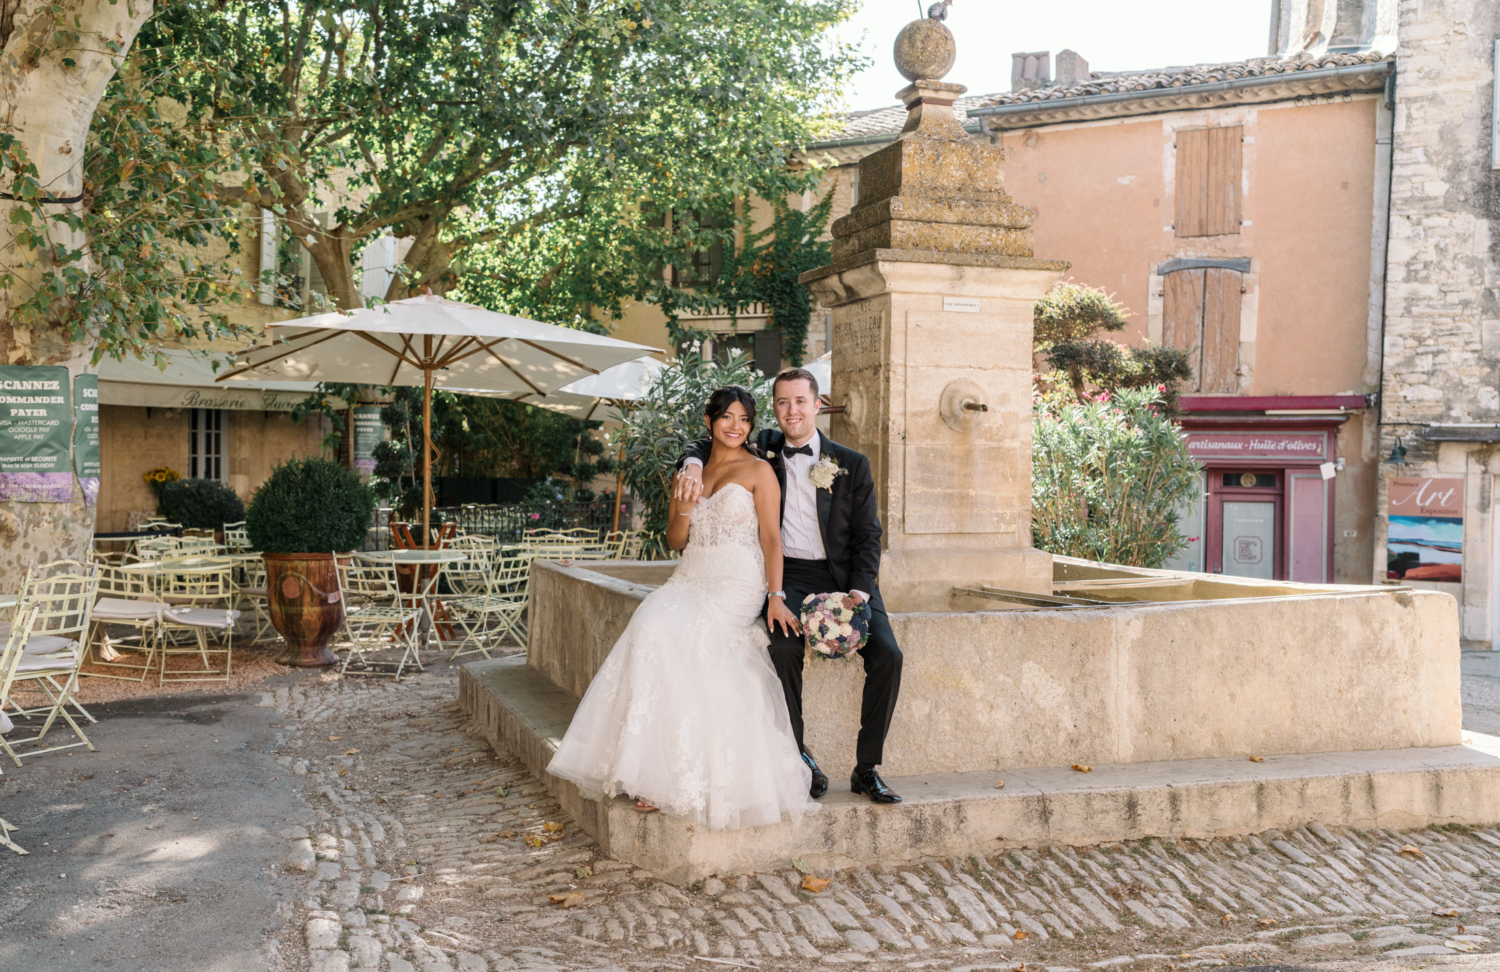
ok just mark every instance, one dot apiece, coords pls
pixel 1425 528
pixel 36 434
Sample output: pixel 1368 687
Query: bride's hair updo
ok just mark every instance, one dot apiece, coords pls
pixel 718 404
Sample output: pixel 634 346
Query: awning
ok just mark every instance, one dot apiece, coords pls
pixel 188 382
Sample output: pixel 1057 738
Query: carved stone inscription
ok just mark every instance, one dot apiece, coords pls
pixel 857 341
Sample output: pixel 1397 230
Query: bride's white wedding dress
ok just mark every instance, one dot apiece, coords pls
pixel 687 713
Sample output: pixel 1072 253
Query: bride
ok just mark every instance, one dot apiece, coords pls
pixel 687 714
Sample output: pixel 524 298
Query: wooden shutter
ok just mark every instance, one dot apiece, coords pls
pixel 1209 163
pixel 1221 331
pixel 1182 319
pixel 1201 315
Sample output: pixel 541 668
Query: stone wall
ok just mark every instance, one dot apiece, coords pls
pixel 1307 673
pixel 1442 323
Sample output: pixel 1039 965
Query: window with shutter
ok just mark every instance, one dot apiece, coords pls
pixel 1208 181
pixel 1201 315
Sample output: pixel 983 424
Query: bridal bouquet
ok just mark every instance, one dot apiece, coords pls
pixel 835 625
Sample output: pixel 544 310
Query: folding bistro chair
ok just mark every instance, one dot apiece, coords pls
pixel 45 645
pixel 254 593
pixel 125 600
pixel 198 593
pixel 55 631
pixel 485 619
pixel 6 826
pixel 378 616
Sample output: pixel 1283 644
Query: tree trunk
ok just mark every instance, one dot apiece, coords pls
pixel 49 105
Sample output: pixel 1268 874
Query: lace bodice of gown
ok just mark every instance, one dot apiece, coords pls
pixel 724 543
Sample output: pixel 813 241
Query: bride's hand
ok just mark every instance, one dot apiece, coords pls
pixel 778 613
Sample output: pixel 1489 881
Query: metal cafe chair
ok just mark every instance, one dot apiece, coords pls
pixel 377 614
pixel 125 600
pixel 486 619
pixel 43 654
pixel 198 593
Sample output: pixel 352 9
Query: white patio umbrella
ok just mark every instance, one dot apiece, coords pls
pixel 619 386
pixel 435 343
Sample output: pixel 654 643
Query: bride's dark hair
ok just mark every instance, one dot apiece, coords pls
pixel 718 404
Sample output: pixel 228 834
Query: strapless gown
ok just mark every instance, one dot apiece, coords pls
pixel 687 712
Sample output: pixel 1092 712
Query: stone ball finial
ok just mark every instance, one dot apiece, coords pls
pixel 925 50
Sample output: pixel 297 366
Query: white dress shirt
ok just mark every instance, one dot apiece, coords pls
pixel 801 533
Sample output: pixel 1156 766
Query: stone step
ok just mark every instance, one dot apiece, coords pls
pixel 523 712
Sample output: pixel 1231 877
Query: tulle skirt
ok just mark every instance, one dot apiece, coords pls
pixel 687 713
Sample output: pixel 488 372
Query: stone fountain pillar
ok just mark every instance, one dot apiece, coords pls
pixel 932 286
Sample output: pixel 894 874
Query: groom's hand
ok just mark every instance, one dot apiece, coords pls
pixel 778 613
pixel 689 485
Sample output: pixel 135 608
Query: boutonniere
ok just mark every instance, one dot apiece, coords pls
pixel 824 472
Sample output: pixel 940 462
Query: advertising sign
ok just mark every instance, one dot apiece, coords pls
pixel 369 432
pixel 36 434
pixel 1258 445
pixel 1425 539
pixel 86 435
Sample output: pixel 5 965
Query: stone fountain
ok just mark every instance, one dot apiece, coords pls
pixel 1205 705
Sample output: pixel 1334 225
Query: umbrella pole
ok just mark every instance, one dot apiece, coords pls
pixel 619 484
pixel 426 455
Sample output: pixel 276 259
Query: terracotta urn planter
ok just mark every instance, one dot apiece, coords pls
pixel 302 592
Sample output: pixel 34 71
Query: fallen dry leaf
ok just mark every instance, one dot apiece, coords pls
pixel 801 865
pixel 583 871
pixel 1018 968
pixel 501 792
pixel 1266 922
pixel 553 828
pixel 351 752
pixel 334 738
pixel 815 884
pixel 1462 946
pixel 1450 913
pixel 343 772
pixel 1411 849
pixel 1000 785
pixel 570 900
pixel 534 840
pixel 1225 919
pixel 1082 768
pixel 1257 759
pixel 1021 934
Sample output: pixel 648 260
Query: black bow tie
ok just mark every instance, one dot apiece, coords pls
pixel 805 450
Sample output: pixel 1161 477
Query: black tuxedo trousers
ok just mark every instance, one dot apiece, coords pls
pixel 882 659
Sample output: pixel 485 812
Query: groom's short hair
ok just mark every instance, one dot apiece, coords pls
pixel 795 374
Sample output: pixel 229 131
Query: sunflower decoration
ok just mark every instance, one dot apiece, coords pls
pixel 159 477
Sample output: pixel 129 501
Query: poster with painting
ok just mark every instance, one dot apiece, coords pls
pixel 1425 539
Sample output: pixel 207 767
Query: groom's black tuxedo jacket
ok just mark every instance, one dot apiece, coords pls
pixel 847 513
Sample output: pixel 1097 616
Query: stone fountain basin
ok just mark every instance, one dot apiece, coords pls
pixel 1347 696
pixel 1224 668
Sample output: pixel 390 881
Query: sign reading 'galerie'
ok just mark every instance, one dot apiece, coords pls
pixel 36 434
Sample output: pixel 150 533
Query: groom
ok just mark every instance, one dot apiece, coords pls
pixel 831 542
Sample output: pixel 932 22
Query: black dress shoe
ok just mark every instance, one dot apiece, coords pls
pixel 870 783
pixel 819 779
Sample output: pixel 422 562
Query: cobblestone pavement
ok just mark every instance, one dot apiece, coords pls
pixel 423 849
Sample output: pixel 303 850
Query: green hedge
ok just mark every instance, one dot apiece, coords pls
pixel 310 506
pixel 204 504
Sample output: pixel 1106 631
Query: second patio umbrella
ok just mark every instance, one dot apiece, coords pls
pixel 436 343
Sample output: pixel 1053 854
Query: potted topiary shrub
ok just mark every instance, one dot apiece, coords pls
pixel 304 513
pixel 199 504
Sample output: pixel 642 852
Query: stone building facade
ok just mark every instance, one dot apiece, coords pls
pixel 1440 381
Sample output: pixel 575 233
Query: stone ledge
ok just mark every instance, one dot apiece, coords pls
pixel 961 813
pixel 932 256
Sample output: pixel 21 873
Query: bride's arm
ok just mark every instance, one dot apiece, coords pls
pixel 679 513
pixel 768 512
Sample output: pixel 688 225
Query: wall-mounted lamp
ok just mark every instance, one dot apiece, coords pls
pixel 1398 453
